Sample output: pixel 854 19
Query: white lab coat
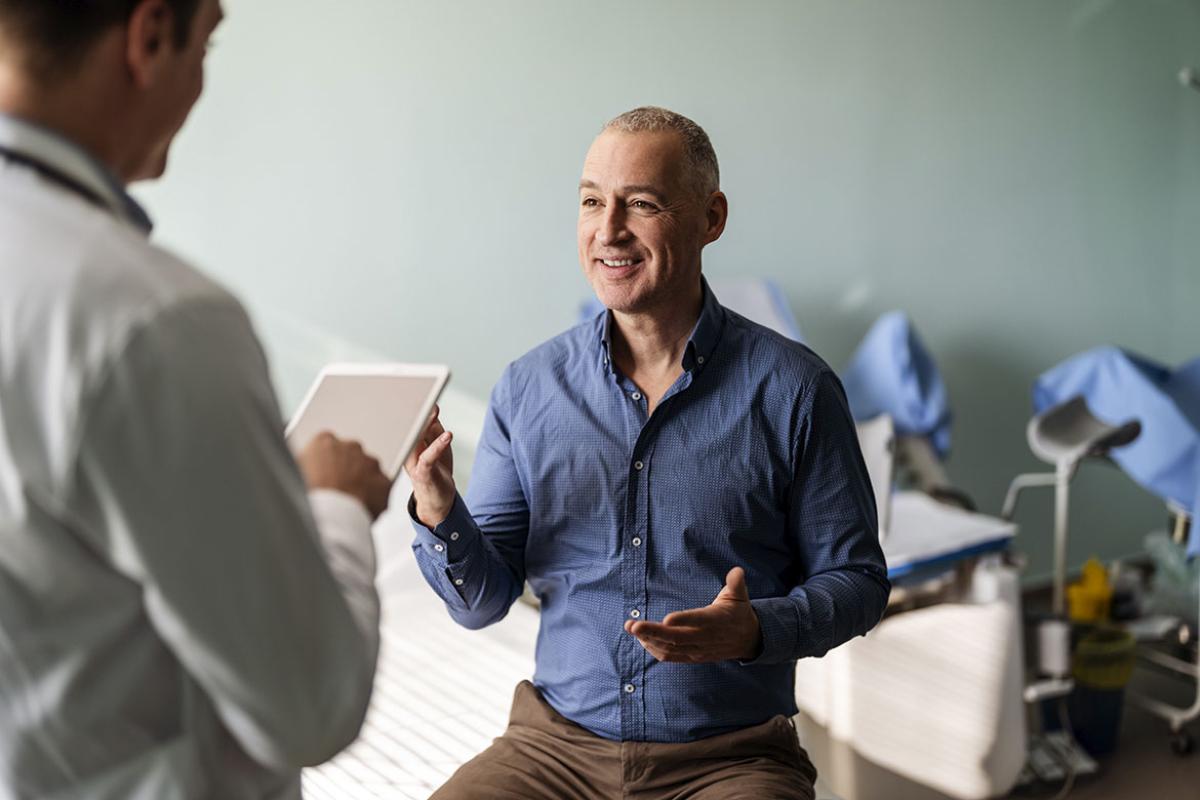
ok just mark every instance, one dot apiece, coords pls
pixel 173 623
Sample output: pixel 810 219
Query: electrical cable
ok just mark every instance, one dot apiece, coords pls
pixel 1065 758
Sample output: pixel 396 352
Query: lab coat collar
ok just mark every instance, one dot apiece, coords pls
pixel 62 156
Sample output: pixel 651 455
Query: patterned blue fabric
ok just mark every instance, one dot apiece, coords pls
pixel 751 460
pixel 1119 386
pixel 892 373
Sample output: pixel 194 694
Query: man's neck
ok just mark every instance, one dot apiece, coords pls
pixel 651 344
pixel 70 110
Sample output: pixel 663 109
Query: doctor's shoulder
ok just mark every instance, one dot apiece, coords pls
pixel 130 291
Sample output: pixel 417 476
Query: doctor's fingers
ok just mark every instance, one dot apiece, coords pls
pixel 378 494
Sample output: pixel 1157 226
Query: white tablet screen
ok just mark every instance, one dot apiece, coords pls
pixel 383 412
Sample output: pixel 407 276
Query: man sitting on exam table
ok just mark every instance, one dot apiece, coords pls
pixel 633 469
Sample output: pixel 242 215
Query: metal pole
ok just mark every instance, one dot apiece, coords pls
pixel 1062 488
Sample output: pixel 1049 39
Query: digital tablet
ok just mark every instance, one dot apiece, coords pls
pixel 384 407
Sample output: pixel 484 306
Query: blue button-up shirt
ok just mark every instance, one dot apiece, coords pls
pixel 750 459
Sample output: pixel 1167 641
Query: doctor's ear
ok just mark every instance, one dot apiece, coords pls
pixel 150 35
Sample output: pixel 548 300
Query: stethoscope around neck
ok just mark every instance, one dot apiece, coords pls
pixel 54 175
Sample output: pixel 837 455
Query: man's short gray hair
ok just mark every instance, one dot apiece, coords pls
pixel 701 158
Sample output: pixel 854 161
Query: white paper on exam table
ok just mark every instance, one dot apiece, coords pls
pixel 923 532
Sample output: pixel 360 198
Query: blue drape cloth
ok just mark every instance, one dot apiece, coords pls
pixel 892 373
pixel 1119 386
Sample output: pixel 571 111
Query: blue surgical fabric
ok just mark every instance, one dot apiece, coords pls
pixel 610 514
pixel 892 373
pixel 1119 386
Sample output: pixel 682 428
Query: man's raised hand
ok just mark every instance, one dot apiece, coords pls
pixel 430 467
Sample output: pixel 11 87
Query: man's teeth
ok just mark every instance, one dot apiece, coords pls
pixel 625 262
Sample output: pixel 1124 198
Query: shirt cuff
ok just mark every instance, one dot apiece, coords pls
pixel 779 621
pixel 453 539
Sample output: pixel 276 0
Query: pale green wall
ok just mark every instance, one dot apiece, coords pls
pixel 1022 176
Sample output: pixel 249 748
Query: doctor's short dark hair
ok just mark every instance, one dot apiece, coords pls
pixel 52 36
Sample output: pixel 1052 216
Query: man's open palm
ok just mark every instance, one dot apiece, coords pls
pixel 725 629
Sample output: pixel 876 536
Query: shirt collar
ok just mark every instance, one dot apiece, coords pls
pixel 707 332
pixel 62 156
pixel 701 343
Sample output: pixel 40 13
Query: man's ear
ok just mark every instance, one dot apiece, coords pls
pixel 716 213
pixel 149 39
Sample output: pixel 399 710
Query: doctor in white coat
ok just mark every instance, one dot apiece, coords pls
pixel 181 616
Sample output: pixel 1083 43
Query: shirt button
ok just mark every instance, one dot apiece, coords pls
pixel 454 536
pixel 635 613
pixel 630 688
pixel 439 547
pixel 458 581
pixel 638 465
pixel 637 541
pixel 636 395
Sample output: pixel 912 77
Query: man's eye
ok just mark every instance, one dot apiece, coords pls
pixel 589 202
pixel 644 205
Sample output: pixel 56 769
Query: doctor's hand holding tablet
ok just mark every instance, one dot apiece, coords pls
pixel 328 462
pixel 358 424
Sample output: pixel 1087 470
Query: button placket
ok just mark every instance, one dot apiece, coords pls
pixel 634 724
pixel 633 656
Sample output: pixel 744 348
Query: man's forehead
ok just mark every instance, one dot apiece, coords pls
pixel 617 158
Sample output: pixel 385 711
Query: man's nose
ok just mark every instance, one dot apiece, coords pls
pixel 612 225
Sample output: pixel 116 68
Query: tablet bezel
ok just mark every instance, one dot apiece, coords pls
pixel 439 372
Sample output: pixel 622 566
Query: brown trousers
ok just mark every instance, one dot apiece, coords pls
pixel 544 756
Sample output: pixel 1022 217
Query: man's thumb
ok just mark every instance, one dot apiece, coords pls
pixel 735 586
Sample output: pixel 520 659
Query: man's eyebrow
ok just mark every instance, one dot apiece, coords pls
pixel 636 188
